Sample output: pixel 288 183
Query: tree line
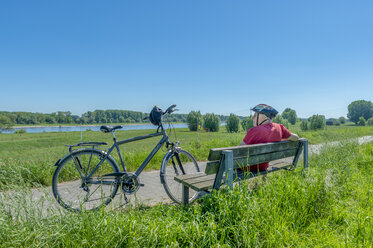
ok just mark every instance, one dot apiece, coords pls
pixel 360 112
pixel 9 119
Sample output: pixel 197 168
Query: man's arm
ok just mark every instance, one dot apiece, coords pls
pixel 293 137
pixel 242 143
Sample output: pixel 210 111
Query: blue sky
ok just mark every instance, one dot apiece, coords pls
pixel 214 56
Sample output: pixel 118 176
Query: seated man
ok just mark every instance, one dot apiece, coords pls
pixel 265 131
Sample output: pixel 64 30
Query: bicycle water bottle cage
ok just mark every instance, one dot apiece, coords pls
pixel 109 129
pixel 155 116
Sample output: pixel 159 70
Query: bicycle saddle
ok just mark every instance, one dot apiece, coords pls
pixel 108 129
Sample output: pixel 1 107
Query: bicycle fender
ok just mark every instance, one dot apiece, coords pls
pixel 168 154
pixel 57 163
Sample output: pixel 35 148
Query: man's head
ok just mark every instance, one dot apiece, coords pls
pixel 259 119
pixel 263 113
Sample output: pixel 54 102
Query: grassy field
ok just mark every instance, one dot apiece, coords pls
pixel 25 159
pixel 329 205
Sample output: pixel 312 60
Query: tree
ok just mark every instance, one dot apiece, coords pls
pixel 247 123
pixel 280 120
pixel 317 122
pixel 5 122
pixel 361 121
pixel 233 123
pixel 194 119
pixel 290 115
pixel 360 108
pixel 211 122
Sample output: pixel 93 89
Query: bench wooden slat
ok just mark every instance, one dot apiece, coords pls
pixel 188 176
pixel 212 167
pixel 199 183
pixel 193 180
pixel 203 185
pixel 244 151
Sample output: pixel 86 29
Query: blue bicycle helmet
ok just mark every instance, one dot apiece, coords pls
pixel 265 109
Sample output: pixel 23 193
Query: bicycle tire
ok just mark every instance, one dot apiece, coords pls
pixel 171 168
pixel 68 187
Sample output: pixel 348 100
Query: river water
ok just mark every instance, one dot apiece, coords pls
pixel 85 128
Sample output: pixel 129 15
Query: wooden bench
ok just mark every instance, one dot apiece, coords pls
pixel 227 160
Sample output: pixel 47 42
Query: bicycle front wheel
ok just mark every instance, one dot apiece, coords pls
pixel 75 190
pixel 175 164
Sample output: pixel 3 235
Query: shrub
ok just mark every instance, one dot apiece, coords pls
pixel 280 120
pixel 211 122
pixel 233 123
pixel 370 122
pixel 194 119
pixel 361 121
pixel 304 126
pixel 247 123
pixel 317 122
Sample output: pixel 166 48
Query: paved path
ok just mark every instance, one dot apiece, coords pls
pixel 153 191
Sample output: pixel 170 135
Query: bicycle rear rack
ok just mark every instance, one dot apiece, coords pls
pixel 92 144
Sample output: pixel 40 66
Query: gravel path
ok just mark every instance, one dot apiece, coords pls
pixel 151 193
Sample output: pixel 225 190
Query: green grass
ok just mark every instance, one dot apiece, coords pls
pixel 329 205
pixel 25 159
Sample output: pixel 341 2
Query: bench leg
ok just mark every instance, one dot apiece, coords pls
pixel 185 195
pixel 305 154
pixel 228 164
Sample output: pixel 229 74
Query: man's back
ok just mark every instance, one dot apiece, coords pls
pixel 265 133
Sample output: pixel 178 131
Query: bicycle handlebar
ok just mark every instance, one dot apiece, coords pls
pixel 170 109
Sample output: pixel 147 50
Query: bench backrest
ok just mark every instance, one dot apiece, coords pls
pixel 254 154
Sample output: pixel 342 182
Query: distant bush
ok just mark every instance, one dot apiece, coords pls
pixel 20 131
pixel 342 120
pixel 233 123
pixel 370 122
pixel 211 122
pixel 361 121
pixel 304 126
pixel 317 122
pixel 194 119
pixel 332 121
pixel 280 120
pixel 247 123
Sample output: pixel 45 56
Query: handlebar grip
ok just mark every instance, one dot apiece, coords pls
pixel 169 110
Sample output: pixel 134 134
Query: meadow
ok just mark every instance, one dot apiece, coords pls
pixel 25 159
pixel 328 205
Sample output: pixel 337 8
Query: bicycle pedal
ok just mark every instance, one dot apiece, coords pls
pixel 141 185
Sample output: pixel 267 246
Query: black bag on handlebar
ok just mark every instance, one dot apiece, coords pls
pixel 156 116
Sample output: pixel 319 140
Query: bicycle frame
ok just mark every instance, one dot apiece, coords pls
pixel 121 142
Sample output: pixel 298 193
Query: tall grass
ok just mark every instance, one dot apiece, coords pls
pixel 328 205
pixel 25 159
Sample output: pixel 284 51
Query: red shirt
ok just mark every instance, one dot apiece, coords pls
pixel 269 132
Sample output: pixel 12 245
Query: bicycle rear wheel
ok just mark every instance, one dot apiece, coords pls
pixel 72 187
pixel 174 164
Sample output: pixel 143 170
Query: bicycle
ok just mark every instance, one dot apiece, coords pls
pixel 89 178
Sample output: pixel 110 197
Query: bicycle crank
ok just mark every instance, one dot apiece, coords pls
pixel 130 183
